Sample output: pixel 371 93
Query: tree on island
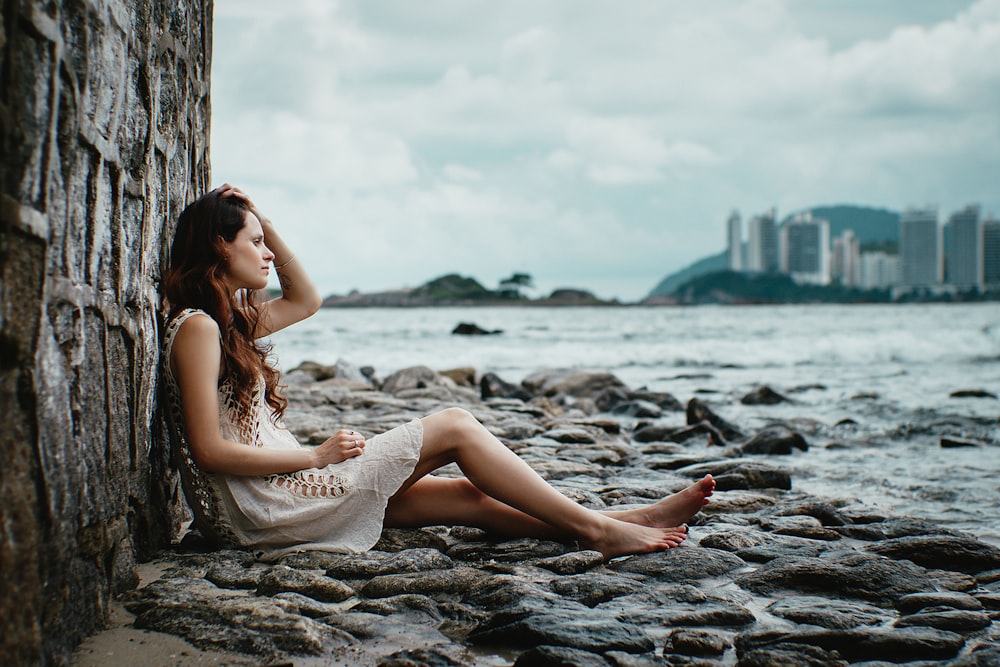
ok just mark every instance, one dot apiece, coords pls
pixel 511 287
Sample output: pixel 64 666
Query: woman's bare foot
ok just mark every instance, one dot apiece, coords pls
pixel 622 538
pixel 671 511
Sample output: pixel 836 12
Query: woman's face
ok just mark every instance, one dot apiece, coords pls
pixel 248 257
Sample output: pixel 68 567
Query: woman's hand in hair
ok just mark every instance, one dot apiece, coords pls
pixel 227 190
pixel 341 446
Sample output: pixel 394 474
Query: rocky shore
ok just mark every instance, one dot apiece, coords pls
pixel 770 575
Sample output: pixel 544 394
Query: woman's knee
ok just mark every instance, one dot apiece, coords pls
pixel 457 422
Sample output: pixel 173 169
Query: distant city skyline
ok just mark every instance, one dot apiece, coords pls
pixel 590 144
pixel 960 252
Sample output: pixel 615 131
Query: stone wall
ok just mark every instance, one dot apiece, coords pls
pixel 104 121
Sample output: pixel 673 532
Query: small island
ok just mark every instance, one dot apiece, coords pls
pixel 455 290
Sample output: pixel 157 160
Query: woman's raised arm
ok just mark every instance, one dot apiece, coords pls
pixel 299 297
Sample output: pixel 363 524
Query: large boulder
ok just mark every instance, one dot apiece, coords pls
pixel 570 382
pixel 847 574
pixel 697 412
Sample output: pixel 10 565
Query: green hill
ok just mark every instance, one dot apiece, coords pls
pixel 870 225
pixel 874 227
pixel 733 287
pixel 453 287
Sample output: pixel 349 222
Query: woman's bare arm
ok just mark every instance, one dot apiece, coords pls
pixel 299 297
pixel 196 359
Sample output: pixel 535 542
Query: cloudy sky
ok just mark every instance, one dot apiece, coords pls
pixel 590 143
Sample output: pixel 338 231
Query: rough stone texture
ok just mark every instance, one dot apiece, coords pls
pixel 767 577
pixel 104 118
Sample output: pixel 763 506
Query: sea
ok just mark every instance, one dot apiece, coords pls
pixel 871 383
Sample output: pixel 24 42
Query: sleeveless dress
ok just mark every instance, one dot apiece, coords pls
pixel 338 508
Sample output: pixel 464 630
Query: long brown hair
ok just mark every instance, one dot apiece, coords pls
pixel 194 280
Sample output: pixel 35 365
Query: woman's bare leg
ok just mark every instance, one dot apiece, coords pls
pixel 454 435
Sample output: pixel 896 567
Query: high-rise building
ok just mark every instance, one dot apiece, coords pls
pixel 845 260
pixel 919 245
pixel 991 254
pixel 963 248
pixel 734 242
pixel 805 250
pixel 762 243
pixel 878 270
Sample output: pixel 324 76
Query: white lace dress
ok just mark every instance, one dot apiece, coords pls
pixel 337 508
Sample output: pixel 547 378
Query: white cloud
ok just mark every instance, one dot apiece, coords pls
pixel 443 134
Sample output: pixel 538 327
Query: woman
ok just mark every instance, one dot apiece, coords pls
pixel 252 485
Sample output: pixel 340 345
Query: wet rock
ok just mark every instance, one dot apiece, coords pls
pixel 501 591
pixel 774 440
pixel 574 562
pixel 304 605
pixel 639 409
pixel 456 581
pixel 570 382
pixel 983 656
pixel 594 588
pixel 309 560
pixel 515 429
pixel 492 386
pixel 415 377
pixel 740 474
pixel 945 552
pixel 472 329
pixel 376 563
pixel 696 642
pixel 315 371
pixel 827 514
pixel 972 393
pixel 399 539
pixel 842 574
pixel 559 656
pixel 356 624
pixel 663 433
pixel 403 603
pixel 680 564
pixel 609 398
pixel 909 604
pixel 955 620
pixel 507 552
pixel 572 626
pixel 889 529
pixel 463 377
pixel 806 527
pixel 422 657
pixel 568 434
pixel 282 579
pixel 952 441
pixel 620 659
pixel 856 645
pixel 763 396
pixel 789 654
pixel 229 576
pixel 735 502
pixel 664 400
pixel 697 411
pixel 989 601
pixel 826 613
pixel 211 618
pixel 718 614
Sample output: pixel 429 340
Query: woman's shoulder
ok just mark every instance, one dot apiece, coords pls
pixel 190 326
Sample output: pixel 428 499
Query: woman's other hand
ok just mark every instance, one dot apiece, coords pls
pixel 341 446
